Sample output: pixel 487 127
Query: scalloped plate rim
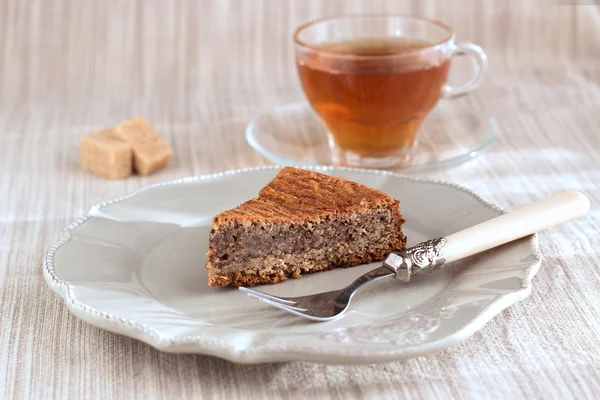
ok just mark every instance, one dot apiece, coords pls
pixel 270 353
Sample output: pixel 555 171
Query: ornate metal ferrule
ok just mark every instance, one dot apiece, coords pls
pixel 424 257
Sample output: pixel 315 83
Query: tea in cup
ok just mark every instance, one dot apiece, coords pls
pixel 373 79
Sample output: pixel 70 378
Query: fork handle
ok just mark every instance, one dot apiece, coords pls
pixel 433 254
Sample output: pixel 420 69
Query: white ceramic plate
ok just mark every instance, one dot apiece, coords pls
pixel 135 266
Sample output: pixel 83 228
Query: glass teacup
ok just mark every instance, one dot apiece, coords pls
pixel 373 79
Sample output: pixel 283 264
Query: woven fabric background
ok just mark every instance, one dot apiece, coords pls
pixel 200 71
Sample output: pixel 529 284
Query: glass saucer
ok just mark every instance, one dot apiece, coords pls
pixel 291 134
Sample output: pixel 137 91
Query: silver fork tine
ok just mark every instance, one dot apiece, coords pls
pixel 278 305
pixel 263 295
pixel 285 308
pixel 320 306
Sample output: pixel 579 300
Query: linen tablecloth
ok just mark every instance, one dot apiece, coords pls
pixel 200 71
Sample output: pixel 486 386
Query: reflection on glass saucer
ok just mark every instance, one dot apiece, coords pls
pixel 291 134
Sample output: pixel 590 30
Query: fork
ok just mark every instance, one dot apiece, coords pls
pixel 432 255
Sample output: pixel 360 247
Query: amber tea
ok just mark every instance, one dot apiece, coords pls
pixel 371 101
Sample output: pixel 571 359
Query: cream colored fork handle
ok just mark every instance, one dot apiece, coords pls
pixel 554 210
pixel 433 254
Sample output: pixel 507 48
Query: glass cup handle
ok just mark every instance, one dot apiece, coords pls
pixel 480 65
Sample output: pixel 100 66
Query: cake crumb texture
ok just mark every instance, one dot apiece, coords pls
pixel 276 272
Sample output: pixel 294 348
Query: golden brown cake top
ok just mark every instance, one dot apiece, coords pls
pixel 296 195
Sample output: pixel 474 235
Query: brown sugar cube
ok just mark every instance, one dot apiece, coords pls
pixel 150 151
pixel 106 155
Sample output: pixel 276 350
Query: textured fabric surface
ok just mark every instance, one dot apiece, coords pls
pixel 200 71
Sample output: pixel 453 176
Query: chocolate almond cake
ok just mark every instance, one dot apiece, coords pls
pixel 302 221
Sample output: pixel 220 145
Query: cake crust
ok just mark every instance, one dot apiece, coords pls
pixel 297 195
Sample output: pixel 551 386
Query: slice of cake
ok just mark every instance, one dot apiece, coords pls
pixel 302 221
